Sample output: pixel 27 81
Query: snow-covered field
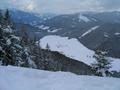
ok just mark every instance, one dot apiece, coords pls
pixel 16 78
pixel 69 47
pixel 74 49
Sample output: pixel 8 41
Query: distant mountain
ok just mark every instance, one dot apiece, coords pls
pixel 32 19
pixel 112 45
pixel 102 33
pixel 24 17
pixel 94 30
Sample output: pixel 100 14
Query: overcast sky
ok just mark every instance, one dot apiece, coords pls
pixel 61 6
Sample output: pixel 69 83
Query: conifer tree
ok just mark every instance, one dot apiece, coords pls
pixel 102 64
pixel 7 18
pixel 11 49
pixel 27 52
pixel 1 18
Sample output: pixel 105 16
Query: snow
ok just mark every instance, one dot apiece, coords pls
pixel 16 78
pixel 115 64
pixel 15 37
pixel 0 63
pixel 8 30
pixel 12 37
pixel 54 30
pixel 74 49
pixel 43 27
pixel 1 48
pixel 94 19
pixel 117 33
pixel 30 61
pixel 69 47
pixel 90 30
pixel 106 35
pixel 8 42
pixel 83 18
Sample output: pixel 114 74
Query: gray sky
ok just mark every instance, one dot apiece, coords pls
pixel 61 6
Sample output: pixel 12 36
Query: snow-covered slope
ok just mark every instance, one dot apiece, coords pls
pixel 69 47
pixel 115 64
pixel 74 49
pixel 16 78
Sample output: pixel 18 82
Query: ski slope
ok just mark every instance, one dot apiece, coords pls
pixel 16 78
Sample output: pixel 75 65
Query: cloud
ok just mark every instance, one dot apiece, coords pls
pixel 69 6
pixel 110 4
pixel 61 6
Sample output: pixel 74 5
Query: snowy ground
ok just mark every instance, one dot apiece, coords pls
pixel 115 64
pixel 74 49
pixel 14 78
pixel 69 47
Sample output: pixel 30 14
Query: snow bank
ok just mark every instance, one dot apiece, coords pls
pixel 69 47
pixel 14 78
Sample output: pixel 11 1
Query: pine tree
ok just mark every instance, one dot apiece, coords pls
pixel 7 19
pixel 2 53
pixel 11 49
pixel 37 55
pixel 48 47
pixel 1 18
pixel 49 62
pixel 26 56
pixel 24 36
pixel 27 52
pixel 46 58
pixel 102 64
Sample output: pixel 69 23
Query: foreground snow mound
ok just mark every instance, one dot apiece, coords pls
pixel 14 78
pixel 69 47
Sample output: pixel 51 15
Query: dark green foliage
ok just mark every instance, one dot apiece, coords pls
pixel 10 44
pixel 1 17
pixel 7 18
pixel 102 64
